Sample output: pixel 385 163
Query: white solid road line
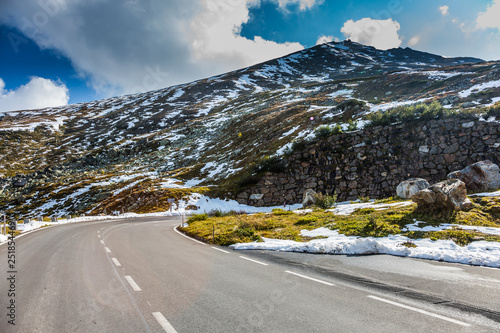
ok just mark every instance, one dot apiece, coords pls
pixel 310 278
pixel 435 315
pixel 132 283
pixel 213 247
pixel 194 240
pixel 117 263
pixel 108 250
pixel 164 322
pixel 255 261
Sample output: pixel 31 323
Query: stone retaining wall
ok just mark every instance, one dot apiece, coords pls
pixel 372 162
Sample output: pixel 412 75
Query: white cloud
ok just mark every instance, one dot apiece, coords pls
pixel 303 4
pixel 490 18
pixel 36 94
pixel 414 41
pixel 326 39
pixel 215 37
pixel 130 46
pixel 444 10
pixel 382 34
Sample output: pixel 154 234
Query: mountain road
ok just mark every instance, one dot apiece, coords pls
pixel 143 275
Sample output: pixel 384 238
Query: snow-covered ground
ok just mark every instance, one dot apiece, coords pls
pixel 346 208
pixel 481 253
pixel 477 253
pixel 478 88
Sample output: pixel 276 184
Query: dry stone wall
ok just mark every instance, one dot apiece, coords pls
pixel 372 162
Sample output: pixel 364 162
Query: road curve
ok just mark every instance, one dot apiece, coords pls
pixel 140 275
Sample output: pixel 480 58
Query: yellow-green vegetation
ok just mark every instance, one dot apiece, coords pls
pixel 231 228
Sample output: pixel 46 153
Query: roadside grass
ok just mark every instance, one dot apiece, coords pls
pixel 234 228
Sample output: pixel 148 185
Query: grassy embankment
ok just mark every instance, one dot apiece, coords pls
pixel 235 227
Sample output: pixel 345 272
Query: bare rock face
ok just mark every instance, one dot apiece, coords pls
pixel 408 188
pixel 308 198
pixel 482 176
pixel 448 195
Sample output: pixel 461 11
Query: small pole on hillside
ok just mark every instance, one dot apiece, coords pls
pixel 4 224
pixel 182 220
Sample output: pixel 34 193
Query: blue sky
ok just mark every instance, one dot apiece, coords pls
pixel 54 52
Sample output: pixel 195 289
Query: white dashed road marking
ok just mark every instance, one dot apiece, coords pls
pixel 435 315
pixel 310 278
pixel 132 283
pixel 213 247
pixel 108 250
pixel 255 261
pixel 117 263
pixel 164 322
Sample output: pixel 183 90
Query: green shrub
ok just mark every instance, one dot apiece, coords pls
pixel 197 217
pixel 493 111
pixel 245 232
pixel 378 228
pixel 235 212
pixel 288 234
pixel 216 213
pixel 280 211
pixel 409 244
pixel 364 211
pixel 352 125
pixel 408 113
pixel 364 199
pixel 324 131
pixel 269 164
pixel 306 220
pixel 325 201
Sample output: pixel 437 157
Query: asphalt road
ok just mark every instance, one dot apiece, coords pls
pixel 140 275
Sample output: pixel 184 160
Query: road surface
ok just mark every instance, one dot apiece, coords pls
pixel 141 275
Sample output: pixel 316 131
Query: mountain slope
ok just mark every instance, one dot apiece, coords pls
pixel 78 157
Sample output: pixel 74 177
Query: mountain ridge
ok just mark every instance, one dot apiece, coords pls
pixel 212 129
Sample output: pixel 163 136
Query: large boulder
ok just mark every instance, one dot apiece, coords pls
pixel 309 198
pixel 408 188
pixel 447 195
pixel 482 176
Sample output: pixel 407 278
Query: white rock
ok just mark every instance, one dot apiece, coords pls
pixel 411 186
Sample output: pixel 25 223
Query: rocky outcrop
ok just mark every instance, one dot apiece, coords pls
pixel 308 198
pixel 408 188
pixel 482 176
pixel 448 195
